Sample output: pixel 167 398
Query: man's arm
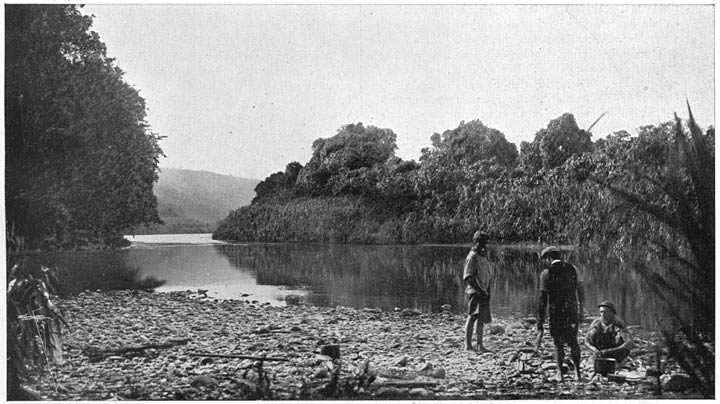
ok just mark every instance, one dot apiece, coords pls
pixel 589 340
pixel 543 307
pixel 469 273
pixel 627 339
pixel 470 280
pixel 580 289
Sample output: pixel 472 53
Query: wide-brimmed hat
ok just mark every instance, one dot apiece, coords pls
pixel 480 236
pixel 548 250
pixel 608 304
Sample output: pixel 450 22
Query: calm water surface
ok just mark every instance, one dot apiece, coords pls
pixel 422 277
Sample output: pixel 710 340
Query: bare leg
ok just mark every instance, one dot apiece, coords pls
pixel 479 331
pixel 559 357
pixel 469 323
pixel 575 355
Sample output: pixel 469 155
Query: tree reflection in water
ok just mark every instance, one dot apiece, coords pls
pixel 93 270
pixel 427 277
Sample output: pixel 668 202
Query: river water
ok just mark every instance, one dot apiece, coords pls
pixel 422 277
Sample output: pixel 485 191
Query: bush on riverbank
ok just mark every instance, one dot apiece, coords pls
pixel 332 220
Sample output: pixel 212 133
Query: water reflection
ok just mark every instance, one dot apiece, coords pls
pixel 357 276
pixel 426 277
pixel 191 266
pixel 419 277
pixel 101 270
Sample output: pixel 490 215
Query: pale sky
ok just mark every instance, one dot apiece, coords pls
pixel 245 89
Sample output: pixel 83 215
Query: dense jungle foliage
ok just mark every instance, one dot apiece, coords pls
pixel 355 189
pixel 80 159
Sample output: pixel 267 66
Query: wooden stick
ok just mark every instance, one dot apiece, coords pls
pixel 260 358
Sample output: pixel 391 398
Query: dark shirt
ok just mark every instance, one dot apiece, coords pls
pixel 560 289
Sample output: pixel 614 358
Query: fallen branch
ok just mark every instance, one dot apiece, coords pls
pixel 96 354
pixel 260 358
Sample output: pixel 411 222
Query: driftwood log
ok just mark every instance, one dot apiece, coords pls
pixel 259 358
pixel 96 354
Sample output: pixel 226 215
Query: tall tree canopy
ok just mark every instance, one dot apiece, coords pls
pixel 462 164
pixel 345 162
pixel 555 144
pixel 80 158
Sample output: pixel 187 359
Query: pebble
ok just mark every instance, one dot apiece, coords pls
pixel 418 391
pixel 402 361
pixel 390 392
pixel 321 372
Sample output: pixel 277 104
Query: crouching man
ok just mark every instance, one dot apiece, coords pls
pixel 608 337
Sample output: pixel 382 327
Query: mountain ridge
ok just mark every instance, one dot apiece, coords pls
pixel 195 200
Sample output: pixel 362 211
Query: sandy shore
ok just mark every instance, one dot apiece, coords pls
pixel 138 345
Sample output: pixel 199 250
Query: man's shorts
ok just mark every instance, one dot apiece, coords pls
pixel 564 323
pixel 565 332
pixel 479 306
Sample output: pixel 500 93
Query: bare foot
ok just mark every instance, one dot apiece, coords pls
pixel 556 377
pixel 482 349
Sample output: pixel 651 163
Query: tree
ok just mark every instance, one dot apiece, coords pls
pixel 349 155
pixel 555 144
pixel 470 143
pixel 278 186
pixel 461 166
pixel 80 158
pixel 396 187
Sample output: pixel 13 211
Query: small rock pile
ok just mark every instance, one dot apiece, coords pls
pixel 148 346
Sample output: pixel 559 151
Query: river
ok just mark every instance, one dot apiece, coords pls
pixel 422 277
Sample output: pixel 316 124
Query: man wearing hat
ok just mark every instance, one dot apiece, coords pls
pixel 607 336
pixel 477 274
pixel 561 291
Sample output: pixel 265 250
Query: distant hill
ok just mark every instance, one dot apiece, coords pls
pixel 194 201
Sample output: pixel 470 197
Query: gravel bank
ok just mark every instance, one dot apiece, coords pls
pixel 138 345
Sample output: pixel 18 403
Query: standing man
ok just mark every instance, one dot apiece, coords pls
pixel 607 336
pixel 477 275
pixel 561 289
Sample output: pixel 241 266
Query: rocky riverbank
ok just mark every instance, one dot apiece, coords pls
pixel 144 346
